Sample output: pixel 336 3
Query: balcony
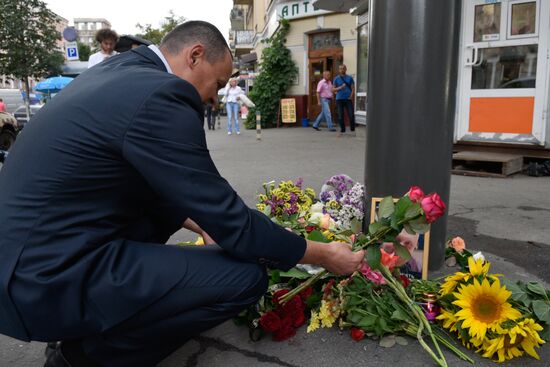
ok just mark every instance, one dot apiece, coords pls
pixel 244 39
pixel 237 18
pixel 243 2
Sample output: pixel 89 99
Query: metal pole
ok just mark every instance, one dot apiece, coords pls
pixel 412 69
pixel 258 126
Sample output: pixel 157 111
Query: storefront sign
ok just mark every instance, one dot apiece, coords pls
pixel 288 110
pixel 298 9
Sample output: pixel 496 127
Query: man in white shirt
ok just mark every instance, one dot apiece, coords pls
pixel 107 40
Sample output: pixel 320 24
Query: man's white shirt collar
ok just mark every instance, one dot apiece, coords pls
pixel 156 50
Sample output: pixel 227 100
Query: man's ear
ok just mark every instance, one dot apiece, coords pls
pixel 196 55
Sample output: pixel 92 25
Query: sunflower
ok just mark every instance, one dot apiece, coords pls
pixel 513 342
pixel 452 281
pixel 483 306
pixel 448 319
pixel 478 268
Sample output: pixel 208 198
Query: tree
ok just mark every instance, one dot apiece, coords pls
pixel 28 41
pixel 84 51
pixel 155 35
pixel 277 71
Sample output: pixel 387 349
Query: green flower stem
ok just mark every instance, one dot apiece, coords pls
pixel 308 283
pixel 419 315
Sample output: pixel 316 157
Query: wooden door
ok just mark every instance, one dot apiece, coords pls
pixel 316 68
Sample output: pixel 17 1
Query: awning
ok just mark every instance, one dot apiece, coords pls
pixel 339 5
pixel 249 58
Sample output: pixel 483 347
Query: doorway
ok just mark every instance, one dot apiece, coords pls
pixel 325 53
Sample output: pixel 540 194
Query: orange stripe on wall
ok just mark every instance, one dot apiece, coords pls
pixel 502 115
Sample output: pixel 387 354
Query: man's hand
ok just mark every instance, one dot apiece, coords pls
pixel 194 227
pixel 336 257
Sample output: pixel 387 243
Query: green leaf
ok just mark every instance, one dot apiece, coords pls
pixel 356 226
pixel 408 228
pixel 542 311
pixel 419 225
pixel 537 288
pixel 519 294
pixel 401 251
pixel 400 209
pixel 294 273
pixel 275 276
pixel 386 208
pixel 267 211
pixel 317 236
pixel 398 315
pixel 373 256
pixel 413 211
pixel 545 333
pixel 376 227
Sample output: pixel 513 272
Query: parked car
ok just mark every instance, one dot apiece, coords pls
pixel 8 130
pixel 20 114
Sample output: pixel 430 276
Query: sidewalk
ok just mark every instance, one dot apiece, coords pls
pixel 505 218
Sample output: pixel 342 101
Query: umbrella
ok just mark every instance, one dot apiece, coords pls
pixel 52 85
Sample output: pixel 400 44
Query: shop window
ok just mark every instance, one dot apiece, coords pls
pixel 320 41
pixel 487 22
pixel 523 19
pixel 506 67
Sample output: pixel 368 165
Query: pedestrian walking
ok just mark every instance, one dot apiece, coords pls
pixel 211 112
pixel 82 226
pixel 232 95
pixel 2 105
pixel 324 99
pixel 107 39
pixel 344 87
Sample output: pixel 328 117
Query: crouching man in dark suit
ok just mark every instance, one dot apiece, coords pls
pixel 106 172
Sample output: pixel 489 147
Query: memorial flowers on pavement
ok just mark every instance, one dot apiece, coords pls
pixel 499 319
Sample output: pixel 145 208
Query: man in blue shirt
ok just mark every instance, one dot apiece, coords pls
pixel 344 87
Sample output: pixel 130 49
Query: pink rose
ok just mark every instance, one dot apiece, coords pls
pixel 325 222
pixel 416 194
pixel 433 207
pixel 458 244
pixel 373 275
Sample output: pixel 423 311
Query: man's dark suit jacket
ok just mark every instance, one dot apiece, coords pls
pixel 101 176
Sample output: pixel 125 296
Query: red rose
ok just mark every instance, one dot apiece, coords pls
pixel 277 295
pixel 299 319
pixel 405 280
pixel 415 194
pixel 270 322
pixel 357 334
pixel 306 293
pixel 310 228
pixel 286 331
pixel 284 334
pixel 294 306
pixel 328 287
pixel 433 207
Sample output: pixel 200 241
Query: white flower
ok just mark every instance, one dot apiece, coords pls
pixel 478 255
pixel 315 218
pixel 317 207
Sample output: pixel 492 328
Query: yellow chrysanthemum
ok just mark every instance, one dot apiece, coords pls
pixel 483 306
pixel 313 322
pixel 260 207
pixel 448 319
pixel 328 314
pixel 328 234
pixel 513 342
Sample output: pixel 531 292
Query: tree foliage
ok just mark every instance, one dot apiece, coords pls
pixel 28 40
pixel 84 51
pixel 277 71
pixel 155 35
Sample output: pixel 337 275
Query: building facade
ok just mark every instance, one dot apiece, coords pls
pixel 503 86
pixel 318 40
pixel 87 28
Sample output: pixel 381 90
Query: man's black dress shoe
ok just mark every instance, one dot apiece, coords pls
pixel 55 357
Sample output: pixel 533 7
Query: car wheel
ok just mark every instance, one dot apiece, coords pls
pixel 7 138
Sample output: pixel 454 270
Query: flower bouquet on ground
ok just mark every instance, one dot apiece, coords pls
pixel 484 315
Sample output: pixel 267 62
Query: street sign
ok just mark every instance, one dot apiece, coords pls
pixel 71 51
pixel 69 34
